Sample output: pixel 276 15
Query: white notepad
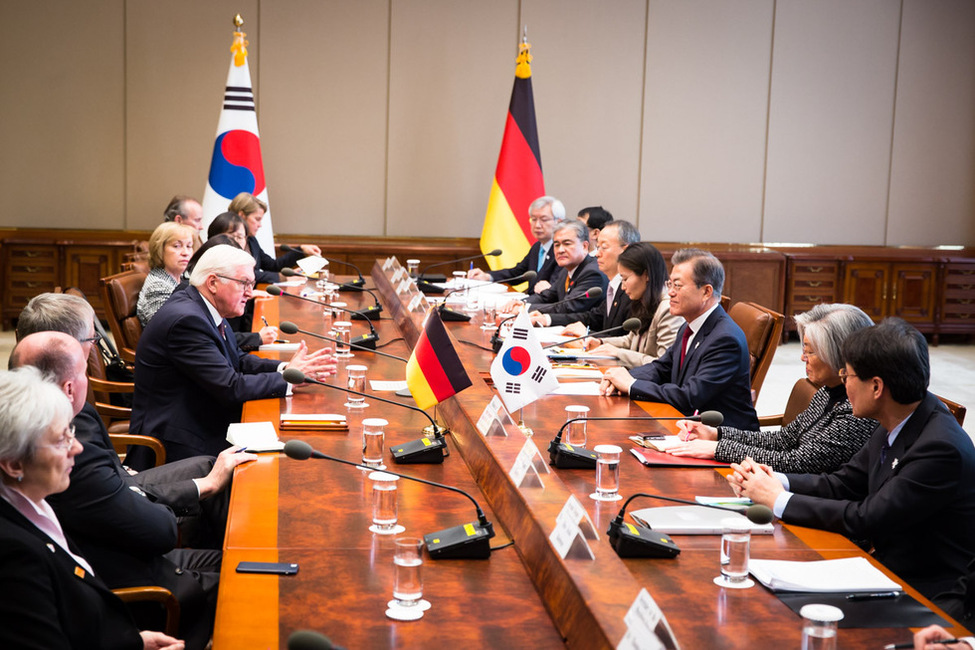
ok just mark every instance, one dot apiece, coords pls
pixel 851 575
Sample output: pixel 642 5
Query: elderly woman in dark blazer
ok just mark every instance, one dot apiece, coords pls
pixel 822 437
pixel 52 599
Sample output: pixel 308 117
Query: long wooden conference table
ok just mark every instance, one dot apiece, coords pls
pixel 317 513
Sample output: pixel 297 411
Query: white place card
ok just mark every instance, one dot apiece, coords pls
pixel 415 302
pixel 567 537
pixel 575 512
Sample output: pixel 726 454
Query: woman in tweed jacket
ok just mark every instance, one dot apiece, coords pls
pixel 822 437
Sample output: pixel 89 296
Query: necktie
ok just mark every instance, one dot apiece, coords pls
pixel 541 258
pixel 683 344
pixel 609 299
pixel 883 453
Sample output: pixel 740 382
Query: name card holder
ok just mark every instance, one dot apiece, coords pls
pixel 493 419
pixel 573 527
pixel 645 625
pixel 528 467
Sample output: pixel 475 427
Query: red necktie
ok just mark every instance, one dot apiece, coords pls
pixel 683 344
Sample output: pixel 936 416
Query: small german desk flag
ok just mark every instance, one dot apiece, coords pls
pixel 434 371
pixel 518 177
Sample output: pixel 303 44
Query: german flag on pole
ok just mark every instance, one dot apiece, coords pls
pixel 434 371
pixel 518 178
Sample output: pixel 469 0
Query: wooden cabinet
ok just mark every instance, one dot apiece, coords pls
pixel 29 269
pixel 811 282
pixel 957 305
pixel 85 266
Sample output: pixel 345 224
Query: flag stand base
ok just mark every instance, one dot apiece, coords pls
pixel 525 429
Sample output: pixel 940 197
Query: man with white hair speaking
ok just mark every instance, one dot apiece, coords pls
pixel 191 379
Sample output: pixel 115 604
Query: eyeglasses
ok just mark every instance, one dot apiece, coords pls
pixel 540 219
pixel 91 339
pixel 65 441
pixel 246 284
pixel 844 375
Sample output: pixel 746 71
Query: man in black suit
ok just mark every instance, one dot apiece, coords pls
pixel 578 272
pixel 125 524
pixel 544 214
pixel 191 380
pixel 614 307
pixel 707 367
pixel 909 494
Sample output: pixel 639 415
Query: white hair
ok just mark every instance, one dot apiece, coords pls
pixel 558 210
pixel 29 405
pixel 219 260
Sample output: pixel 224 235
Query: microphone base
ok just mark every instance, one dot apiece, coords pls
pixel 353 285
pixel 496 343
pixel 565 456
pixel 467 542
pixel 369 313
pixel 427 287
pixel 452 315
pixel 366 341
pixel 639 541
pixel 426 451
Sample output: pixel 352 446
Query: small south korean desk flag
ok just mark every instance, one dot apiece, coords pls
pixel 521 371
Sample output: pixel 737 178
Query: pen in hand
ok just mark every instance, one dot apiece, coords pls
pixel 909 646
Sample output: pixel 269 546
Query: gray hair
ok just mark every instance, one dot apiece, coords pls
pixel 558 210
pixel 827 326
pixel 29 405
pixel 626 232
pixel 707 268
pixel 56 312
pixel 219 260
pixel 580 229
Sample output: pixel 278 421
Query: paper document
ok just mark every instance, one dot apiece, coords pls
pixel 850 575
pixel 693 520
pixel 255 436
pixel 381 385
pixel 279 347
pixel 659 445
pixel 577 388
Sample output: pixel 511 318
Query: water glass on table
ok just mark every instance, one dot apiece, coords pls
pixel 607 473
pixel 735 542
pixel 356 380
pixel 342 330
pixel 384 510
pixel 575 433
pixel 819 623
pixel 373 439
pixel 407 603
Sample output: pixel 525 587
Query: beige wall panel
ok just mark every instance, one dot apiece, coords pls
pixel 177 57
pixel 452 65
pixel 588 82
pixel 61 114
pixel 705 120
pixel 932 185
pixel 831 111
pixel 323 114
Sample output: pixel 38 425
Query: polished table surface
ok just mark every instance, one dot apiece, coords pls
pixel 316 513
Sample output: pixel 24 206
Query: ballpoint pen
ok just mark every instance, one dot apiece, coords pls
pixel 908 646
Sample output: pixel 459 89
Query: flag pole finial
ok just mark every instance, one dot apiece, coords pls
pixel 523 69
pixel 524 34
pixel 238 22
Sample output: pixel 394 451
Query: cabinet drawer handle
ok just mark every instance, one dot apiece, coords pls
pixel 966 287
pixel 815 269
pixel 814 299
pixel 32 285
pixel 31 269
pixel 32 253
pixel 815 284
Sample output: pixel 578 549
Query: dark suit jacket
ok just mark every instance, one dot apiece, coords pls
pixel 917 510
pixel 49 601
pixel 190 384
pixel 267 267
pixel 530 263
pixel 596 319
pixel 586 276
pixel 959 602
pixel 715 374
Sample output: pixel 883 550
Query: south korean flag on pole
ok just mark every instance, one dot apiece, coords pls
pixel 521 371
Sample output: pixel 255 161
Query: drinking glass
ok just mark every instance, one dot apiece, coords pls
pixel 373 442
pixel 607 473
pixel 342 331
pixel 575 433
pixel 356 380
pixel 336 312
pixel 407 603
pixel 412 266
pixel 819 624
pixel 735 540
pixel 489 310
pixel 384 504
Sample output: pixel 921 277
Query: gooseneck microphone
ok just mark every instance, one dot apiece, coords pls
pixel 310 640
pixel 367 313
pixel 425 281
pixel 367 341
pixel 629 540
pixel 566 456
pixel 496 341
pixel 354 285
pixel 424 450
pixel 290 328
pixel 629 325
pixel 448 314
pixel 468 541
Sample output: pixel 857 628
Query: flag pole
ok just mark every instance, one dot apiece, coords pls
pixel 525 429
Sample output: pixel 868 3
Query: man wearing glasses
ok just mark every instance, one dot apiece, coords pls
pixel 707 367
pixel 191 379
pixel 544 214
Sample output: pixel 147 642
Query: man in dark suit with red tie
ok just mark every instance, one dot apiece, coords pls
pixel 707 367
pixel 191 379
pixel 909 493
pixel 544 215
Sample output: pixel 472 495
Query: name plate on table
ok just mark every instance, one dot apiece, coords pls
pixel 643 626
pixel 398 274
pixel 493 418
pixel 572 527
pixel 404 286
pixel 388 263
pixel 525 470
pixel 415 301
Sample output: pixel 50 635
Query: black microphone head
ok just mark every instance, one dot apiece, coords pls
pixel 293 376
pixel 632 325
pixel 288 327
pixel 712 418
pixel 530 275
pixel 289 272
pixel 298 450
pixel 494 253
pixel 595 292
pixel 274 290
pixel 759 514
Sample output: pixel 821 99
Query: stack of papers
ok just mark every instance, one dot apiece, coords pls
pixel 313 422
pixel 254 436
pixel 659 445
pixel 847 575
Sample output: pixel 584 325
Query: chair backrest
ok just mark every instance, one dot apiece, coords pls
pixel 763 329
pixel 956 409
pixel 799 400
pixel 121 293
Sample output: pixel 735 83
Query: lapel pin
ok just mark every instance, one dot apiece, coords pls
pixel 893 464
